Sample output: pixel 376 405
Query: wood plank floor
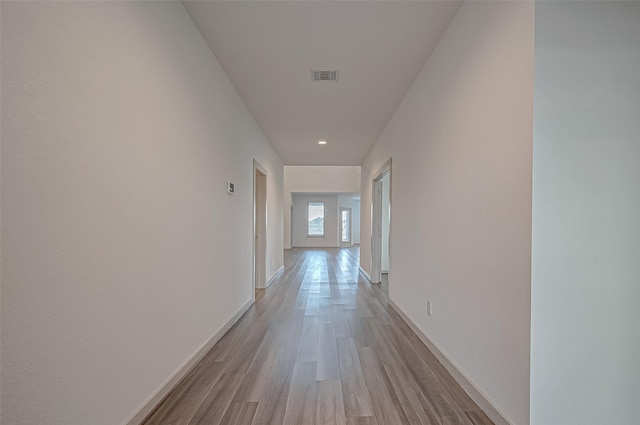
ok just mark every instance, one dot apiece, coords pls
pixel 320 346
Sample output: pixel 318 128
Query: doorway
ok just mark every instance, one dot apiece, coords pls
pixel 381 225
pixel 345 227
pixel 259 226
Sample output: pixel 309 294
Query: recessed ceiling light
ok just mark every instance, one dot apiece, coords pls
pixel 322 142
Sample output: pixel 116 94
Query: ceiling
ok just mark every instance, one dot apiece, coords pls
pixel 268 49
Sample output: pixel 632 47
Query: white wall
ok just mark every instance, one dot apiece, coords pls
pixel 300 221
pixel 322 179
pixel 122 254
pixel 316 179
pixel 355 216
pixel 461 143
pixel 586 210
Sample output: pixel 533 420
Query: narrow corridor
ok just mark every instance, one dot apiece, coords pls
pixel 320 346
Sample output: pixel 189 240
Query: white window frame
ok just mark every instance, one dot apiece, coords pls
pixel 324 216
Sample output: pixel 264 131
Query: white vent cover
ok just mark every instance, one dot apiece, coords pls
pixel 324 75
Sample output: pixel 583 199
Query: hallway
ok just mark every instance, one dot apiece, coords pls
pixel 320 346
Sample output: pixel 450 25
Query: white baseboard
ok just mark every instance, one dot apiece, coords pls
pixel 275 276
pixel 366 276
pixel 153 401
pixel 491 410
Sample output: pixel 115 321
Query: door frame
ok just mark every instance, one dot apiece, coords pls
pixel 340 242
pixel 259 234
pixel 376 221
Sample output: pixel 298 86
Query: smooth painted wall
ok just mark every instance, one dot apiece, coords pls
pixel 356 220
pixel 586 215
pixel 316 179
pixel 122 253
pixel 461 144
pixel 300 222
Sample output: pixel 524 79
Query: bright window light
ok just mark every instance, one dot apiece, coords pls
pixel 315 215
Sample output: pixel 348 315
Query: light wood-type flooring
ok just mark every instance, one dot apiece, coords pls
pixel 320 346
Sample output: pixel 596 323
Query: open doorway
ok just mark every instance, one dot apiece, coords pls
pixel 346 238
pixel 381 225
pixel 259 226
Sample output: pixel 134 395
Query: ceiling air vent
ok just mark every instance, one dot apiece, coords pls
pixel 324 75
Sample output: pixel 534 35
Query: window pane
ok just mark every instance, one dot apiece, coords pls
pixel 316 219
pixel 345 226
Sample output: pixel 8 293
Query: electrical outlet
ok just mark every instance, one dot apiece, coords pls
pixel 429 307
